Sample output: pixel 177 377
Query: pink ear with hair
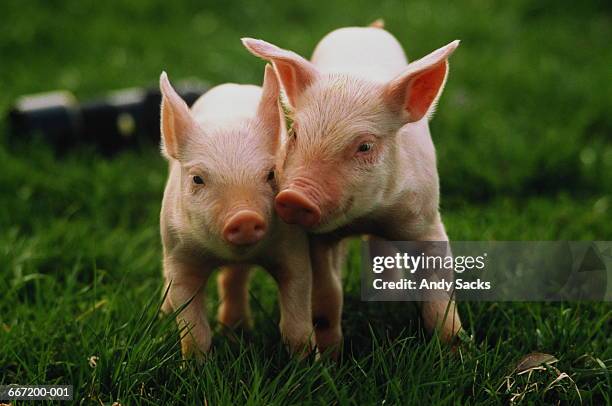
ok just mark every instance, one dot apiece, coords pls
pixel 416 91
pixel 176 120
pixel 294 72
pixel 269 112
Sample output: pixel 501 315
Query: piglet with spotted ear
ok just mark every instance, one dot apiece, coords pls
pixel 218 211
pixel 360 158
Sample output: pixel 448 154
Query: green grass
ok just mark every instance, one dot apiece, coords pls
pixel 523 135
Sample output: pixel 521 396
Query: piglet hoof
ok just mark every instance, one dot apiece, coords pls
pixel 331 351
pixel 192 353
pixel 302 351
pixel 300 345
pixel 195 349
pixel 329 340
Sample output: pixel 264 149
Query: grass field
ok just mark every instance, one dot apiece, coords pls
pixel 524 136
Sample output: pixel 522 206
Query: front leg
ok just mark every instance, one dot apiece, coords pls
pixel 293 275
pixel 439 314
pixel 187 285
pixel 327 260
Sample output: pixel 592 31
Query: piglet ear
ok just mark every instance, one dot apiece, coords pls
pixel 176 120
pixel 294 72
pixel 269 112
pixel 416 91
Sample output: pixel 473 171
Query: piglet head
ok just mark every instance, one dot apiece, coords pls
pixel 227 181
pixel 342 151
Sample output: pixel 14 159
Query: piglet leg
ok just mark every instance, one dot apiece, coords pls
pixel 440 313
pixel 187 286
pixel 294 278
pixel 233 287
pixel 327 259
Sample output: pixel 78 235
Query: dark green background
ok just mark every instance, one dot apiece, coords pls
pixel 524 139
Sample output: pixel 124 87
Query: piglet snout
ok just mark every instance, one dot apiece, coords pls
pixel 244 228
pixel 296 208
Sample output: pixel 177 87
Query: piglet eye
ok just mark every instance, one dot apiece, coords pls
pixel 365 147
pixel 198 180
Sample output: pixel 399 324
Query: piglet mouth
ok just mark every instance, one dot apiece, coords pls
pixel 334 220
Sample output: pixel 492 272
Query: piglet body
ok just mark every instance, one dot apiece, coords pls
pixel 217 211
pixel 360 158
pixel 351 51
